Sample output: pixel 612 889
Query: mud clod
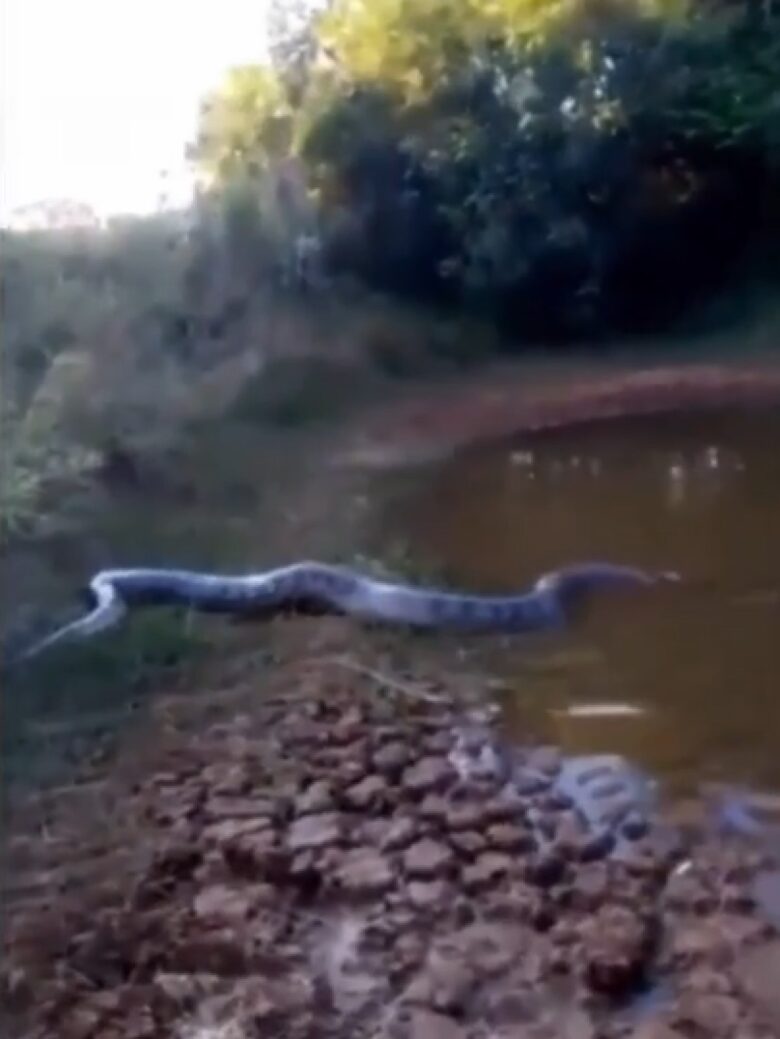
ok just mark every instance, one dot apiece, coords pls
pixel 316 867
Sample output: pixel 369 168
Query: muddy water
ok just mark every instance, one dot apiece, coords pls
pixel 698 666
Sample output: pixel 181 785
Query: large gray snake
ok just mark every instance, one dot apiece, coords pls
pixel 319 588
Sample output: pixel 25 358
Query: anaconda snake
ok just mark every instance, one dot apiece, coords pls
pixel 319 588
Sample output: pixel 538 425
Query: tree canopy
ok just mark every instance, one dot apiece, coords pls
pixel 572 166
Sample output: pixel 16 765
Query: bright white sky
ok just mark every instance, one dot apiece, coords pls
pixel 98 96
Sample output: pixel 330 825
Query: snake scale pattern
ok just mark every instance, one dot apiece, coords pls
pixel 319 588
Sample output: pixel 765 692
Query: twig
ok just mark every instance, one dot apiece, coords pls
pixel 404 688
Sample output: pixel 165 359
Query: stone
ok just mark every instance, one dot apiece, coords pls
pixel 465 815
pixel 688 892
pixel 509 837
pixel 429 774
pixel 615 948
pixel 255 855
pixel 758 971
pixel 219 952
pixel 315 831
pixel 402 832
pixel 469 843
pixel 655 1030
pixel 444 984
pixel 545 869
pixel 229 829
pixel 425 1024
pixel 428 858
pixel 365 872
pixel 220 903
pixel 427 894
pixel 709 1014
pixel 391 758
pixel 219 808
pixel 500 809
pixel 433 808
pixel 317 798
pixel 438 742
pixel 589 886
pixel 367 793
pixel 489 867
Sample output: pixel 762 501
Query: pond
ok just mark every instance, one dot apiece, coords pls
pixel 699 668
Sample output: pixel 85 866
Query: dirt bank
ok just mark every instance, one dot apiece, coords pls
pixel 314 867
pixel 521 399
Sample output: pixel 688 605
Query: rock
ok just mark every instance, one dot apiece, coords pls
pixel 616 943
pixel 220 808
pixel 427 894
pixel 80 1022
pixel 409 950
pixel 365 872
pixel 509 837
pixel 545 869
pixel 368 792
pixel 391 759
pixel 445 983
pixel 469 843
pixel 758 971
pixel 709 1014
pixel 426 1025
pixel 372 830
pixel 689 892
pixel 429 774
pixel 489 867
pixel 500 809
pixel 220 903
pixel 229 829
pixel 427 859
pixel 348 728
pixel 315 831
pixel 256 855
pixel 220 952
pixel 465 815
pixel 589 886
pixel 655 1030
pixel 350 771
pixel 182 990
pixel 402 832
pixel 433 808
pixel 315 799
pixel 569 831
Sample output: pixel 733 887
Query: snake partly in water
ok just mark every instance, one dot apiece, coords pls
pixel 319 588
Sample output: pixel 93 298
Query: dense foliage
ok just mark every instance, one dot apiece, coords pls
pixel 571 168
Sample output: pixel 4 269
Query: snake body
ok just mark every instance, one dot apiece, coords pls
pixel 319 588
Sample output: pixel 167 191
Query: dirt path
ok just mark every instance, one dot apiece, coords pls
pixel 312 867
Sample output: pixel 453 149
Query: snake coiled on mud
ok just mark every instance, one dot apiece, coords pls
pixel 319 588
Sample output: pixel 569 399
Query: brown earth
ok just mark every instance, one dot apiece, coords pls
pixel 313 867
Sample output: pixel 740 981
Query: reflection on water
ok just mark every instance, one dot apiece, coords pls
pixel 699 664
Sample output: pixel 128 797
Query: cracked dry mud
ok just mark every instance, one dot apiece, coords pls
pixel 315 867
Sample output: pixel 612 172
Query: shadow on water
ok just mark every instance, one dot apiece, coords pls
pixel 697 668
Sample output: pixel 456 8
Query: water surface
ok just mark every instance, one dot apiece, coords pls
pixel 697 493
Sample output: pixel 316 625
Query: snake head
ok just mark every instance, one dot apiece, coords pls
pixel 571 586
